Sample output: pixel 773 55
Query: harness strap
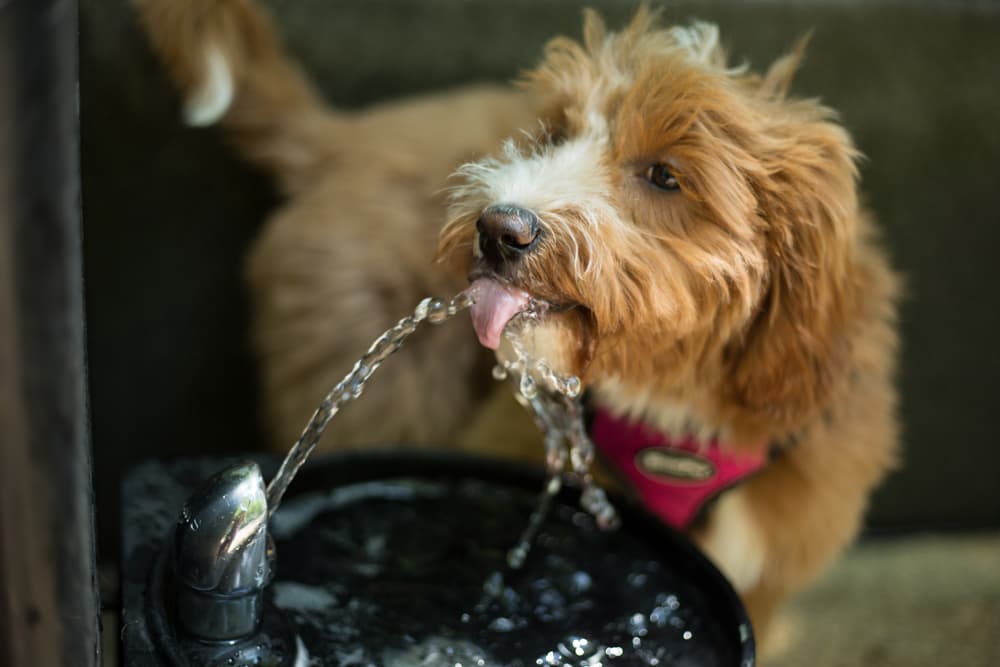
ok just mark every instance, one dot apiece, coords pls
pixel 674 477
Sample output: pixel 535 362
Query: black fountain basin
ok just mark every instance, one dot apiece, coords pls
pixel 399 559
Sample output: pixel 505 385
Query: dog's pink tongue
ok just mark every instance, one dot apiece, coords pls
pixel 494 307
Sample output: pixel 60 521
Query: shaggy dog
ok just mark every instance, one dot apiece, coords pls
pixel 696 235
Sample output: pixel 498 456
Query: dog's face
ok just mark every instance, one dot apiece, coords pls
pixel 677 216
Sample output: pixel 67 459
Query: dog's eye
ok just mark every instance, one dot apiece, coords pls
pixel 660 176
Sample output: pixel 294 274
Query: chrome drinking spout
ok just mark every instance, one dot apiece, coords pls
pixel 223 556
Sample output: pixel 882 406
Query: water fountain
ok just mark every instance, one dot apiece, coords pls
pixel 415 559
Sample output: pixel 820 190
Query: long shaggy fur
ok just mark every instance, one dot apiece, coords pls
pixel 753 304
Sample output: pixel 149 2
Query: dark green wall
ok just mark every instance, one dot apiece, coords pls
pixel 168 213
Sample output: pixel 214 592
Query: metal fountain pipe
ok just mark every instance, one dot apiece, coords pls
pixel 223 555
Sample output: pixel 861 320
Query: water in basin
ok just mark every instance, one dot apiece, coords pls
pixel 414 572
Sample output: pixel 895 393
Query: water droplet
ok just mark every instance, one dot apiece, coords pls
pixel 517 556
pixel 555 456
pixel 550 659
pixel 493 585
pixel 552 599
pixel 571 387
pixel 420 312
pixel 576 647
pixel 499 372
pixel 464 299
pixel 581 583
pixel 437 311
pixel 501 624
pixel 614 651
pixel 659 616
pixel 362 370
pixel 357 388
pixel 636 579
pixel 687 634
pixel 406 327
pixel 528 387
pixel 637 625
pixel 595 501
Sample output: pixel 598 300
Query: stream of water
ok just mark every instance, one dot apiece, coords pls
pixel 552 398
pixel 351 387
pixel 554 401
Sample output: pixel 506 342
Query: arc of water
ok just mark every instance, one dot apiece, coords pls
pixel 350 388
pixel 552 398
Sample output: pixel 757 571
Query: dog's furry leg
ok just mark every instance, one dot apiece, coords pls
pixel 230 67
pixel 734 541
pixel 780 529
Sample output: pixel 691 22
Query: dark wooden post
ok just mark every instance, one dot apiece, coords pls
pixel 49 606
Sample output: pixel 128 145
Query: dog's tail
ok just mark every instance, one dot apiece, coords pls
pixel 231 68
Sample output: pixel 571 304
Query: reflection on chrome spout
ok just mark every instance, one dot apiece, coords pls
pixel 222 555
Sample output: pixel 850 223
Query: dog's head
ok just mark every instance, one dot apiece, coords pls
pixel 681 218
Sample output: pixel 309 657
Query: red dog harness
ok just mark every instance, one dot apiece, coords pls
pixel 674 477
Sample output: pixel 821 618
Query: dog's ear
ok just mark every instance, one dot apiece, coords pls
pixel 778 79
pixel 795 349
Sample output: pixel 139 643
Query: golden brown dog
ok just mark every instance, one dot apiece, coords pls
pixel 695 233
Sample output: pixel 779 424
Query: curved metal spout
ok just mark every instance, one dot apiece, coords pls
pixel 223 555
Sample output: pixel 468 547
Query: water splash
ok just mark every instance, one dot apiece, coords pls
pixel 578 651
pixel 554 401
pixel 439 652
pixel 351 387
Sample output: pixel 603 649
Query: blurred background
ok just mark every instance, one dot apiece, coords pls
pixel 168 215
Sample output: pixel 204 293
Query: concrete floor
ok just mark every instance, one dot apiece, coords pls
pixel 925 601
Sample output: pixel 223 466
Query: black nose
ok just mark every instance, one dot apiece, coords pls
pixel 507 232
